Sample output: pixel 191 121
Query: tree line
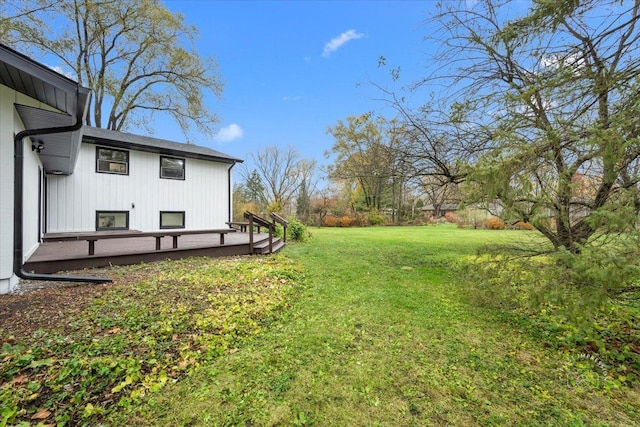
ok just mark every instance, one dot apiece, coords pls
pixel 540 117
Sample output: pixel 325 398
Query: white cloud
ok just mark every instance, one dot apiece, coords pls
pixel 63 71
pixel 229 133
pixel 571 60
pixel 337 42
pixel 291 98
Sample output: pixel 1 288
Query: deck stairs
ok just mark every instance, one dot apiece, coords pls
pixel 262 247
pixel 271 244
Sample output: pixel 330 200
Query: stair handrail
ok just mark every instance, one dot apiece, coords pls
pixel 261 222
pixel 277 218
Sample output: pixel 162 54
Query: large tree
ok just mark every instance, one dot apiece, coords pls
pixel 136 56
pixel 282 172
pixel 254 190
pixel 303 202
pixel 364 154
pixel 546 100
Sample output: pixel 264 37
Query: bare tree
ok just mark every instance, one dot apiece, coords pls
pixel 282 173
pixel 538 99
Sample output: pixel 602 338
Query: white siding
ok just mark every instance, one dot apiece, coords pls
pixel 73 200
pixel 11 124
pixel 7 279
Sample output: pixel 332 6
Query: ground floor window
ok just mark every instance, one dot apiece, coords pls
pixel 171 219
pixel 112 220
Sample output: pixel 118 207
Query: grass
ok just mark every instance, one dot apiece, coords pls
pixel 157 327
pixel 385 332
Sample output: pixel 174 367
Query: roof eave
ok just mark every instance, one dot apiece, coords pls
pixel 124 140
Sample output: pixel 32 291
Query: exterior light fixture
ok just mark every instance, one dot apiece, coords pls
pixel 37 147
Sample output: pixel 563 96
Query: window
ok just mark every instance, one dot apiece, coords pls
pixel 171 168
pixel 112 161
pixel 171 219
pixel 112 220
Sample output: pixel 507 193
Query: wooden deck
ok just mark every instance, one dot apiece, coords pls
pixel 51 257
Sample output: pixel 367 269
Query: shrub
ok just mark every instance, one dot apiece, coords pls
pixel 494 224
pixel 345 221
pixel 297 230
pixel 451 217
pixel 374 218
pixel 581 303
pixel 525 225
pixel 359 221
pixel 330 221
pixel 279 231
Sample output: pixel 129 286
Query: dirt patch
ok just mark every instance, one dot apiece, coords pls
pixel 47 305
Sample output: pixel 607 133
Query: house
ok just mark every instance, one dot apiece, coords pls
pixel 57 175
pixel 124 181
pixel 438 211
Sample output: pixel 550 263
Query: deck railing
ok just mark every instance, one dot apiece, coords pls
pixel 277 218
pixel 255 220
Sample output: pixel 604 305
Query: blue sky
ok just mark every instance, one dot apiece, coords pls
pixel 293 68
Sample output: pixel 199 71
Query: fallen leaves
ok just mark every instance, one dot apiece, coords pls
pixel 119 343
pixel 42 414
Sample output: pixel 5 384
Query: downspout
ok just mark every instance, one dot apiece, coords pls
pixel 18 250
pixel 230 213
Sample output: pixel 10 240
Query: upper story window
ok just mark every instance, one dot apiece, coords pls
pixel 109 160
pixel 171 168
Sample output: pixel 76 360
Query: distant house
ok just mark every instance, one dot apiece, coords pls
pixel 57 175
pixel 438 211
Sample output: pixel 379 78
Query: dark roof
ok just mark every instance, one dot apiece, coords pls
pixel 26 76
pixel 118 139
pixel 443 207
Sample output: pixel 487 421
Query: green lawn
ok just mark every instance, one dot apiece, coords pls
pixel 384 331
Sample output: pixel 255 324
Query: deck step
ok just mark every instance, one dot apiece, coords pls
pixel 262 247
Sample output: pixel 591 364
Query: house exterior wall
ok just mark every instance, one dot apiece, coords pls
pixel 11 124
pixel 72 201
pixel 7 279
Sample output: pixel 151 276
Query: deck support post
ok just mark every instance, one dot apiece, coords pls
pixel 251 233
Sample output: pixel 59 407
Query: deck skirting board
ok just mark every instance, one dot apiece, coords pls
pixel 56 256
pixel 77 263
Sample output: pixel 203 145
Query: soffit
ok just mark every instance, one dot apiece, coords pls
pixel 60 150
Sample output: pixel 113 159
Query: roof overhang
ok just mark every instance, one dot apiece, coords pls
pixel 58 152
pixel 129 141
pixel 24 75
pixel 37 81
